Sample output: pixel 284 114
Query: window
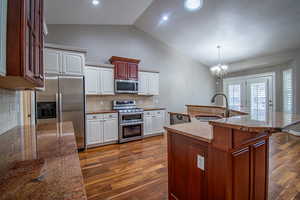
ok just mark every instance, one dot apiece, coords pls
pixel 234 95
pixel 288 91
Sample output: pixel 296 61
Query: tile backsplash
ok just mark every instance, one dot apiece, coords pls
pixel 95 103
pixel 9 110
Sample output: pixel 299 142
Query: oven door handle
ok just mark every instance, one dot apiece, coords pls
pixel 132 123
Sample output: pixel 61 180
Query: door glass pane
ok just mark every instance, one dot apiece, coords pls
pixel 234 95
pixel 258 96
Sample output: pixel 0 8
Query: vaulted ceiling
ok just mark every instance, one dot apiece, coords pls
pixel 244 28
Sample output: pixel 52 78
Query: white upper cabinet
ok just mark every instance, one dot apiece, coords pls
pixel 53 61
pixel 107 81
pixel 143 87
pixel 64 62
pixel 91 81
pixel 73 63
pixel 148 83
pixel 99 81
pixel 3 17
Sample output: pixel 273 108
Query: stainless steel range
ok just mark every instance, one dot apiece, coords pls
pixel 131 120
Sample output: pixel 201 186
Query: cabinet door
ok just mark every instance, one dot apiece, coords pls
pixel 143 86
pixel 241 174
pixel 159 121
pixel 53 61
pixel 94 132
pixel 120 70
pixel 3 11
pixel 110 130
pixel 187 180
pixel 30 40
pixel 260 187
pixel 91 81
pixel 153 84
pixel 132 70
pixel 107 81
pixel 73 63
pixel 148 125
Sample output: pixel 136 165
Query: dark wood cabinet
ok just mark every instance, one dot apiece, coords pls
pixel 25 43
pixel 121 70
pixel 236 166
pixel 125 68
pixel 132 71
pixel 186 179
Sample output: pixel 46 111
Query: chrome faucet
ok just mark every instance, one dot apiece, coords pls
pixel 213 100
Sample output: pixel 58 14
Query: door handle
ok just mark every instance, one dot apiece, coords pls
pixel 60 107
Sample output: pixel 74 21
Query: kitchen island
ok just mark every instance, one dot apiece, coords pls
pixel 223 159
pixel 40 163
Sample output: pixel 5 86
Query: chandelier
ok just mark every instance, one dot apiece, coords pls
pixel 220 69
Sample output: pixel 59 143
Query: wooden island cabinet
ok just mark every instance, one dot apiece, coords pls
pixel 25 43
pixel 226 159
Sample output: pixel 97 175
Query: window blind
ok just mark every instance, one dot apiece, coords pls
pixel 287 91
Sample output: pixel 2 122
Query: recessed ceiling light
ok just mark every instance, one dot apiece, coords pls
pixel 193 4
pixel 95 2
pixel 165 18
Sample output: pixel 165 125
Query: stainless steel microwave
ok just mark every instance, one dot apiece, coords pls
pixel 126 86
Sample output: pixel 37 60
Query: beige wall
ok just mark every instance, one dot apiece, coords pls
pixel 9 110
pixel 182 80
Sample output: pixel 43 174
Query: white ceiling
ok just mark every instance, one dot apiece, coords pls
pixel 113 12
pixel 244 28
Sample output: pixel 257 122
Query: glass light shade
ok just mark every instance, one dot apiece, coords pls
pixel 193 4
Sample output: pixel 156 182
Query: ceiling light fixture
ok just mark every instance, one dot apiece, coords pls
pixel 220 69
pixel 95 2
pixel 165 18
pixel 193 4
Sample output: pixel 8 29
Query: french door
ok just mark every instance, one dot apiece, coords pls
pixel 255 93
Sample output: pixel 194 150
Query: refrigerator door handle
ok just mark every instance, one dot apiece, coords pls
pixel 57 107
pixel 60 108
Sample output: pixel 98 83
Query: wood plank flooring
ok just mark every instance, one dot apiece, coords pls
pixel 138 170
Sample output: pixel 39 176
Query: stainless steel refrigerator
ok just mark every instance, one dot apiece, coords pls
pixel 63 100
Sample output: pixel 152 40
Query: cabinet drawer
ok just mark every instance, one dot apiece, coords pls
pixel 91 117
pixel 111 116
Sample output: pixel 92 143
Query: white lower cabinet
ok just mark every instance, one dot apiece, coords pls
pixel 110 130
pixel 94 132
pixel 102 129
pixel 154 122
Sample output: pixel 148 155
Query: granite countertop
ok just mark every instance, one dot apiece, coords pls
pixel 100 112
pixel 256 121
pixel 40 163
pixel 153 108
pixel 198 130
pixel 259 121
pixel 115 111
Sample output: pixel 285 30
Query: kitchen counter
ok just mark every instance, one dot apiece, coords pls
pixel 40 163
pixel 226 158
pixel 259 121
pixel 198 130
pixel 153 108
pixel 101 112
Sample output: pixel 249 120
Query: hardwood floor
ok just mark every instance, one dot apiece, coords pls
pixel 138 170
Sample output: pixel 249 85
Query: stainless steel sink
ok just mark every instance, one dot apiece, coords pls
pixel 207 118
